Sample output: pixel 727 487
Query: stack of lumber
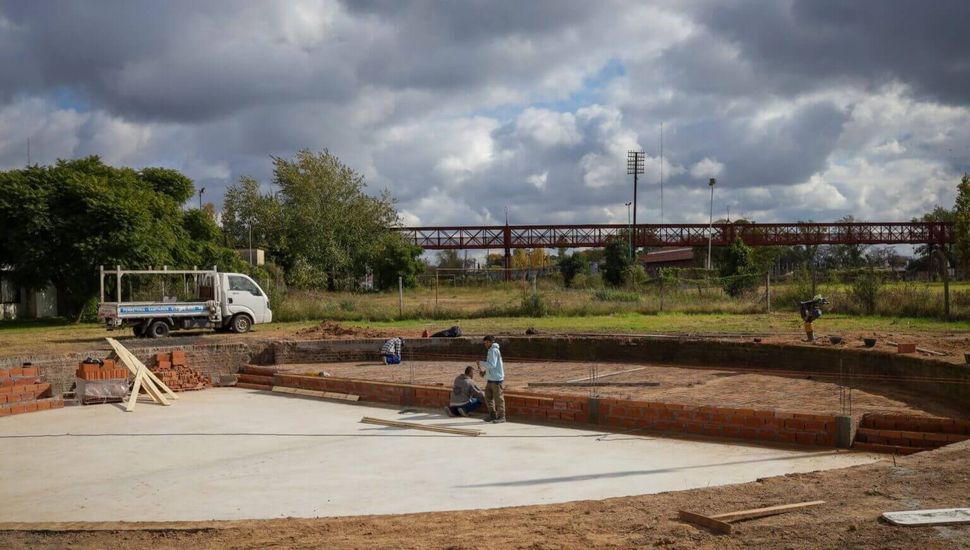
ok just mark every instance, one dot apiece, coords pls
pixel 22 391
pixel 106 370
pixel 172 370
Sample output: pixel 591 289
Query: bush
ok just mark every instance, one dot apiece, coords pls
pixel 610 295
pixel 865 290
pixel 533 305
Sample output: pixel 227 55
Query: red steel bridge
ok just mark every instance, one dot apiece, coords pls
pixel 506 237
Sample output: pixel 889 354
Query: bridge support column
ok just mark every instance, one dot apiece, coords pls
pixel 507 238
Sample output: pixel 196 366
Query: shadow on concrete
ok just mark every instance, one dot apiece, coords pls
pixel 631 473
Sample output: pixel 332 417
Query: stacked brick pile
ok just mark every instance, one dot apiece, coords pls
pixel 22 391
pixel 172 370
pixel 109 370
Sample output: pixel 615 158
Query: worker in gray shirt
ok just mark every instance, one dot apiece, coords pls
pixel 465 395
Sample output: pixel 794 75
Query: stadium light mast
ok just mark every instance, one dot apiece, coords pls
pixel 634 167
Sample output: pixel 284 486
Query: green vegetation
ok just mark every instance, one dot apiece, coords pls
pixel 59 223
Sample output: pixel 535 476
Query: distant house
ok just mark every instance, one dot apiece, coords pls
pixel 17 302
pixel 668 257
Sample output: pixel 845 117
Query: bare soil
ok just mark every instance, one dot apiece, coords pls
pixel 855 498
pixel 724 387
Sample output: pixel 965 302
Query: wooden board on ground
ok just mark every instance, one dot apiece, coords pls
pixel 591 384
pixel 715 525
pixel 588 378
pixel 414 426
pixel 926 518
pixel 315 393
pixel 765 512
pixel 719 522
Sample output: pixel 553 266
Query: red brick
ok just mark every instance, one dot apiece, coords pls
pixel 29 371
pixel 794 425
pixel 806 438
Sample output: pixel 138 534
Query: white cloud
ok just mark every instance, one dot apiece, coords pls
pixel 706 168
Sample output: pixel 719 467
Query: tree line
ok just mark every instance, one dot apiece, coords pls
pixel 320 229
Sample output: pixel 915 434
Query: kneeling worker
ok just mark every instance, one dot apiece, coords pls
pixel 391 351
pixel 465 395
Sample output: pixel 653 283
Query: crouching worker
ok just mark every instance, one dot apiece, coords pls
pixel 466 396
pixel 391 351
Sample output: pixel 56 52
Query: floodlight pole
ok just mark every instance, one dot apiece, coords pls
pixel 629 230
pixel 710 228
pixel 634 167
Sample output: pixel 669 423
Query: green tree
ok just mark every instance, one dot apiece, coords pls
pixel 961 224
pixel 616 261
pixel 921 253
pixel 451 259
pixel 397 258
pixel 59 223
pixel 738 269
pixel 569 266
pixel 328 220
pixel 866 288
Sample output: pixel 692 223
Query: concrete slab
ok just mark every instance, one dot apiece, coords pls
pixel 236 454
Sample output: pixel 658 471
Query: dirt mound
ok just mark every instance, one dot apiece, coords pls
pixel 332 329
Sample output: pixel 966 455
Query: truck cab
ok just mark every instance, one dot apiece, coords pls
pixel 160 301
pixel 245 302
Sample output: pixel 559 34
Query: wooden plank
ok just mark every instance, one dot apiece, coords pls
pixel 764 512
pixel 590 384
pixel 133 363
pixel 413 426
pixel 607 375
pixel 315 393
pixel 715 525
pixel 926 518
pixel 136 386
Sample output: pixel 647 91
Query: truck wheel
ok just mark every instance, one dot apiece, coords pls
pixel 158 329
pixel 241 323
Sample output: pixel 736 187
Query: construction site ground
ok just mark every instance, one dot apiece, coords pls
pixel 951 339
pixel 855 497
pixel 725 387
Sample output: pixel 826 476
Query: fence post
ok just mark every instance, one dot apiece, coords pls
pixel 768 291
pixel 661 292
pixel 436 290
pixel 400 294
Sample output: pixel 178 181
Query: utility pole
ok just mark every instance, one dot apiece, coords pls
pixel 661 173
pixel 710 228
pixel 28 151
pixel 201 190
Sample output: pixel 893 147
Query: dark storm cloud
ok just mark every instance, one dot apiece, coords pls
pixel 463 108
pixel 809 43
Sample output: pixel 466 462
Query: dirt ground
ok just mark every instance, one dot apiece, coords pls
pixel 855 497
pixel 724 387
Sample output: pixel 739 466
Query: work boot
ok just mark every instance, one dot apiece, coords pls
pixel 448 411
pixel 499 420
pixel 489 418
pixel 462 412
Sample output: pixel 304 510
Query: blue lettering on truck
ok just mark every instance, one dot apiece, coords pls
pixel 135 310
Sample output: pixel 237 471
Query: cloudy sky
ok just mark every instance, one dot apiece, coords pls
pixel 809 109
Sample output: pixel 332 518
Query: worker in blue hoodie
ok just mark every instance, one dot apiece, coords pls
pixel 493 371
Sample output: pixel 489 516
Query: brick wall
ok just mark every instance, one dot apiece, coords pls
pixel 744 424
pixel 639 349
pixel 213 359
pixel 219 359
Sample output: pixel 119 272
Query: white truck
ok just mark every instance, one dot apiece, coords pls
pixel 181 299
